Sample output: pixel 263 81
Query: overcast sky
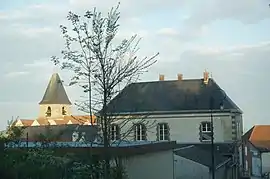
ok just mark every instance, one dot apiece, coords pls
pixel 228 38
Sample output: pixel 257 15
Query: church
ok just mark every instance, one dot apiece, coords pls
pixel 55 117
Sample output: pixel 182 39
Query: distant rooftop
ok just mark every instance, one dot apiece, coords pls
pixel 82 144
pixel 123 148
pixel 259 136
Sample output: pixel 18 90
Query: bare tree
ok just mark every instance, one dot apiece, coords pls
pixel 101 66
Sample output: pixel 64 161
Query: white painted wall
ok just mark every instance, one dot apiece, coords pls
pixel 256 166
pixel 185 127
pixel 157 165
pixel 265 162
pixel 187 169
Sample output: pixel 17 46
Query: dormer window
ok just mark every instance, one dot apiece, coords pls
pixel 49 112
pixel 64 112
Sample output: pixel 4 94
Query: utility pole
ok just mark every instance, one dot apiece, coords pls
pixel 211 105
pixel 212 139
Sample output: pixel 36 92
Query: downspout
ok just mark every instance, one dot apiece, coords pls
pixel 261 162
pixel 244 158
pixel 174 161
pixel 236 151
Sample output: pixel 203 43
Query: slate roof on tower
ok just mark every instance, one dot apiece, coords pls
pixel 55 92
pixel 169 96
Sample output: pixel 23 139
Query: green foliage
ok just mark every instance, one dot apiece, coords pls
pixel 44 163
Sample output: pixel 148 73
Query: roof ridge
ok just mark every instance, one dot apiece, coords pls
pixel 159 81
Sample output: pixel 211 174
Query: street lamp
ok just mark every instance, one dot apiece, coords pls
pixel 211 105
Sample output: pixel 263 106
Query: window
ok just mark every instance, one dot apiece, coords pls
pixel 237 130
pixel 163 131
pixel 49 112
pixel 246 165
pixel 205 131
pixel 246 150
pixel 64 112
pixel 140 132
pixel 115 132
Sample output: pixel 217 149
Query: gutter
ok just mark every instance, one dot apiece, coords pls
pixel 179 112
pixel 182 148
pixel 222 164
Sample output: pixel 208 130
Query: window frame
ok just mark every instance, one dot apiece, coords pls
pixel 246 165
pixel 143 132
pixel 246 151
pixel 163 132
pixel 114 132
pixel 205 128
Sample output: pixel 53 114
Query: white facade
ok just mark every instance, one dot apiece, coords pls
pixel 158 165
pixel 185 168
pixel 188 169
pixel 185 128
pixel 265 162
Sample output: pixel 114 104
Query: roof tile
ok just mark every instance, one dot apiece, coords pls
pixel 260 133
pixel 172 95
pixel 81 120
pixel 259 136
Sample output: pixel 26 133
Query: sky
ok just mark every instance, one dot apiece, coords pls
pixel 230 39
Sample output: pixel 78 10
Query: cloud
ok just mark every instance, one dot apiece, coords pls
pixel 30 35
pixel 198 13
pixel 129 6
pixel 183 35
pixel 38 64
pixel 34 31
pixel 247 12
pixel 168 32
pixel 129 33
pixel 233 51
pixel 16 74
pixel 241 70
pixel 42 13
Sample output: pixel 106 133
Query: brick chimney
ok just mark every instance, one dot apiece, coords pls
pixel 161 77
pixel 180 77
pixel 205 77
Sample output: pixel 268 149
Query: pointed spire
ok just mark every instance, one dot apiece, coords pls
pixel 55 92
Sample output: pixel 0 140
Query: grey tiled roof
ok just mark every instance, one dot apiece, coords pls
pixel 224 148
pixel 55 92
pixel 167 96
pixel 200 155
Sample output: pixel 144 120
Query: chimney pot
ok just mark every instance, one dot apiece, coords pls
pixel 180 77
pixel 161 77
pixel 205 77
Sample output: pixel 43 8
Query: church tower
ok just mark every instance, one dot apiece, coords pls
pixel 55 102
